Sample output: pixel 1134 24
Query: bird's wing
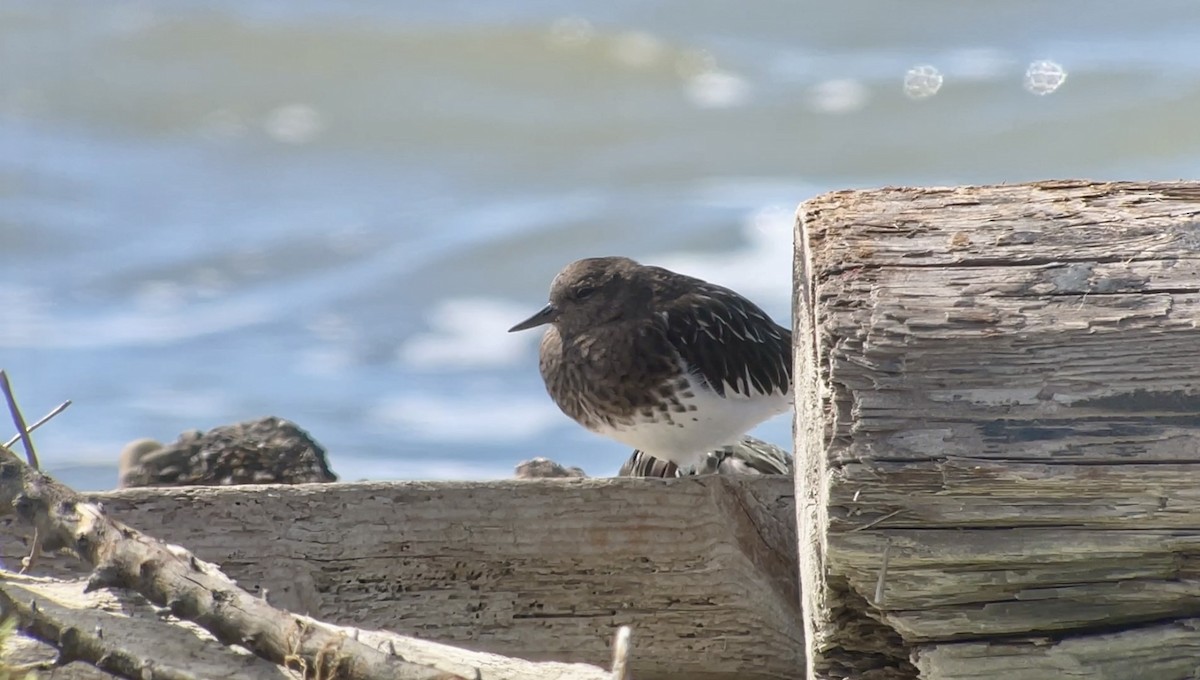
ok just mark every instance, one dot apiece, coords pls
pixel 730 342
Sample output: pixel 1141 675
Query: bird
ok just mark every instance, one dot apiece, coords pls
pixel 750 456
pixel 672 365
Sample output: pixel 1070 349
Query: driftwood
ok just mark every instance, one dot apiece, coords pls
pixel 169 576
pixel 63 615
pixel 124 627
pixel 702 568
pixel 120 632
pixel 998 411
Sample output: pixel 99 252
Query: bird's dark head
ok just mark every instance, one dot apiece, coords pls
pixel 591 292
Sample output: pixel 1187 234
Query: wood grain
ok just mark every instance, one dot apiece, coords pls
pixel 1005 401
pixel 702 568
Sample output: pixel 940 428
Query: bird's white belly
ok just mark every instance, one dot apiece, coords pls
pixel 686 437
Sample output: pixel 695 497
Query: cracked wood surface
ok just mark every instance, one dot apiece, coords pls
pixel 998 387
pixel 703 569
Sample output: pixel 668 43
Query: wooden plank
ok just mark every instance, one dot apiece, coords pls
pixel 1006 414
pixel 1159 651
pixel 702 568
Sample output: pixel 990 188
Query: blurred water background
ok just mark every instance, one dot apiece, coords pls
pixel 216 210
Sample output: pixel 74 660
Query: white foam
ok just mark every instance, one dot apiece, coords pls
pixel 325 362
pixel 163 318
pixel 637 49
pixel 190 404
pixel 571 32
pixel 475 419
pixel 65 448
pixel 839 95
pixel 761 270
pixel 293 123
pixel 469 333
pixel 718 90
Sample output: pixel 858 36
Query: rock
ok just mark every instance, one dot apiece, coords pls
pixel 265 451
pixel 544 468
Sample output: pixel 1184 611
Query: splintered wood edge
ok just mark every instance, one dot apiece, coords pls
pixel 809 435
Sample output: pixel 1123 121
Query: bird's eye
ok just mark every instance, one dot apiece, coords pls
pixel 585 292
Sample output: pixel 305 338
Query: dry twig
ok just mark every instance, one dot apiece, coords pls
pixel 41 421
pixel 19 421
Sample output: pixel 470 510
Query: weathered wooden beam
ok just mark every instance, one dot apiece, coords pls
pixel 999 430
pixel 702 568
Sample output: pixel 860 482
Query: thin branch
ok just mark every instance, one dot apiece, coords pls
pixel 35 551
pixel 19 421
pixel 42 421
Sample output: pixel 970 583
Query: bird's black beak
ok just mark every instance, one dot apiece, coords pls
pixel 547 315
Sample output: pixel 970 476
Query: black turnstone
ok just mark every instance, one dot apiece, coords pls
pixel 669 364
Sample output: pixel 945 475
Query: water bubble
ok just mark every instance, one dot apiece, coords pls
pixel 1043 77
pixel 463 336
pixel 922 81
pixel 718 90
pixel 571 32
pixel 293 124
pixel 637 49
pixel 841 95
